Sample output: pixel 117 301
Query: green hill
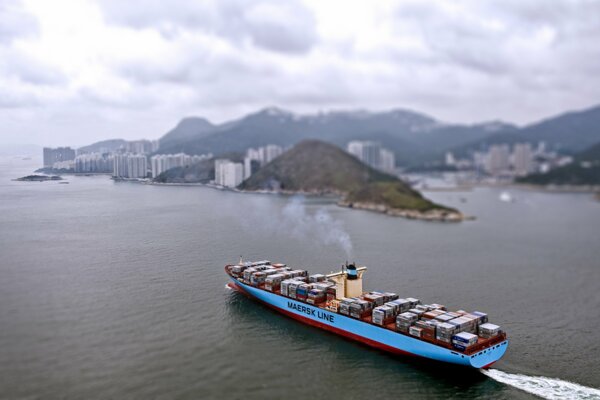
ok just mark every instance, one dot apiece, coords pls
pixel 317 167
pixel 584 170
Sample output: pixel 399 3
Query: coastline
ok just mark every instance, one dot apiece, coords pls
pixel 433 215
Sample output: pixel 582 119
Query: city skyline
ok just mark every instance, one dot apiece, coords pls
pixel 107 70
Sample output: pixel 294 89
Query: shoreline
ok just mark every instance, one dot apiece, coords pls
pixel 433 215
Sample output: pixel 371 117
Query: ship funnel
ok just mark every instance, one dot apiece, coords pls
pixel 352 272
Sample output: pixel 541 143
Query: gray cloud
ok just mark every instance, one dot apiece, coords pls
pixel 287 27
pixel 133 68
pixel 15 22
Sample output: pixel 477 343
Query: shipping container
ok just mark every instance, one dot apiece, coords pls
pixel 415 331
pixel 316 278
pixel 488 330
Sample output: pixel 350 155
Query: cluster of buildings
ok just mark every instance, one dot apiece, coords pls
pixel 94 163
pixel 61 156
pixel 230 174
pixel 506 161
pixel 130 166
pixel 162 162
pixel 131 160
pixel 373 154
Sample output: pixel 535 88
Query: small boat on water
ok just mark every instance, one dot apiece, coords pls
pixel 506 197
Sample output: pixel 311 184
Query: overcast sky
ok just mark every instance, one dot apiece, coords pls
pixel 73 72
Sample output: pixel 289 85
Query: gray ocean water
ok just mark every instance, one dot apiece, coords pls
pixel 117 290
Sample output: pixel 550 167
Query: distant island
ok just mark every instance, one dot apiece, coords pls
pixel 39 178
pixel 320 168
pixel 583 171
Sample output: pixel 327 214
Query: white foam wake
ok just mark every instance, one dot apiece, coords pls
pixel 548 388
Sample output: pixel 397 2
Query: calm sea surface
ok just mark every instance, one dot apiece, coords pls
pixel 117 290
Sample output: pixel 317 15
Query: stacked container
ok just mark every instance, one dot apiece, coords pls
pixel 293 287
pixel 405 320
pixel 463 340
pixel 433 314
pixel 238 270
pixel 488 330
pixel 413 302
pixel 403 304
pixel 345 306
pixel 463 324
pixel 375 297
pixel 302 291
pixel 360 308
pixel 387 297
pixel 316 278
pixel 331 293
pixel 444 332
pixel 383 315
pixel 427 328
pixel 273 282
pixel 248 273
pixel 483 317
pixel 415 331
pixel 316 296
pixel 444 317
pixel 417 312
pixel 257 278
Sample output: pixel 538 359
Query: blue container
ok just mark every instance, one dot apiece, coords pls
pixel 459 346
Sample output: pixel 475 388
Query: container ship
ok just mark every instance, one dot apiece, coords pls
pixel 337 303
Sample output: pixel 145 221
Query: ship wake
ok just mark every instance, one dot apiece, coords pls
pixel 547 388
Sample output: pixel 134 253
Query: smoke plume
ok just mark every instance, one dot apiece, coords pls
pixel 295 222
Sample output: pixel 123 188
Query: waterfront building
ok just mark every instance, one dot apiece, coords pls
pixel 522 159
pixel 498 159
pixel 58 154
pixel 228 173
pixel 94 163
pixel 130 165
pixel 163 162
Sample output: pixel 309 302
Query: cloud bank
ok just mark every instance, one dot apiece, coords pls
pixel 132 69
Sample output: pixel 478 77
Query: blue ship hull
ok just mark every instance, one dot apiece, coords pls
pixel 370 334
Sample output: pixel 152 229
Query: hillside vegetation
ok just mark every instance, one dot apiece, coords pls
pixel 317 167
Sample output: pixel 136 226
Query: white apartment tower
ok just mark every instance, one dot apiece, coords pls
pixel 228 173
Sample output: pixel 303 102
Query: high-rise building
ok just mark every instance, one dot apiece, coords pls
pixel 522 159
pixel 94 162
pixel 387 160
pixel 256 158
pixel 372 154
pixel 498 159
pixel 163 162
pixel 271 152
pixel 450 160
pixel 228 173
pixel 130 166
pixel 54 155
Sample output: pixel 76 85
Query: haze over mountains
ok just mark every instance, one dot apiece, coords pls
pixel 416 138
